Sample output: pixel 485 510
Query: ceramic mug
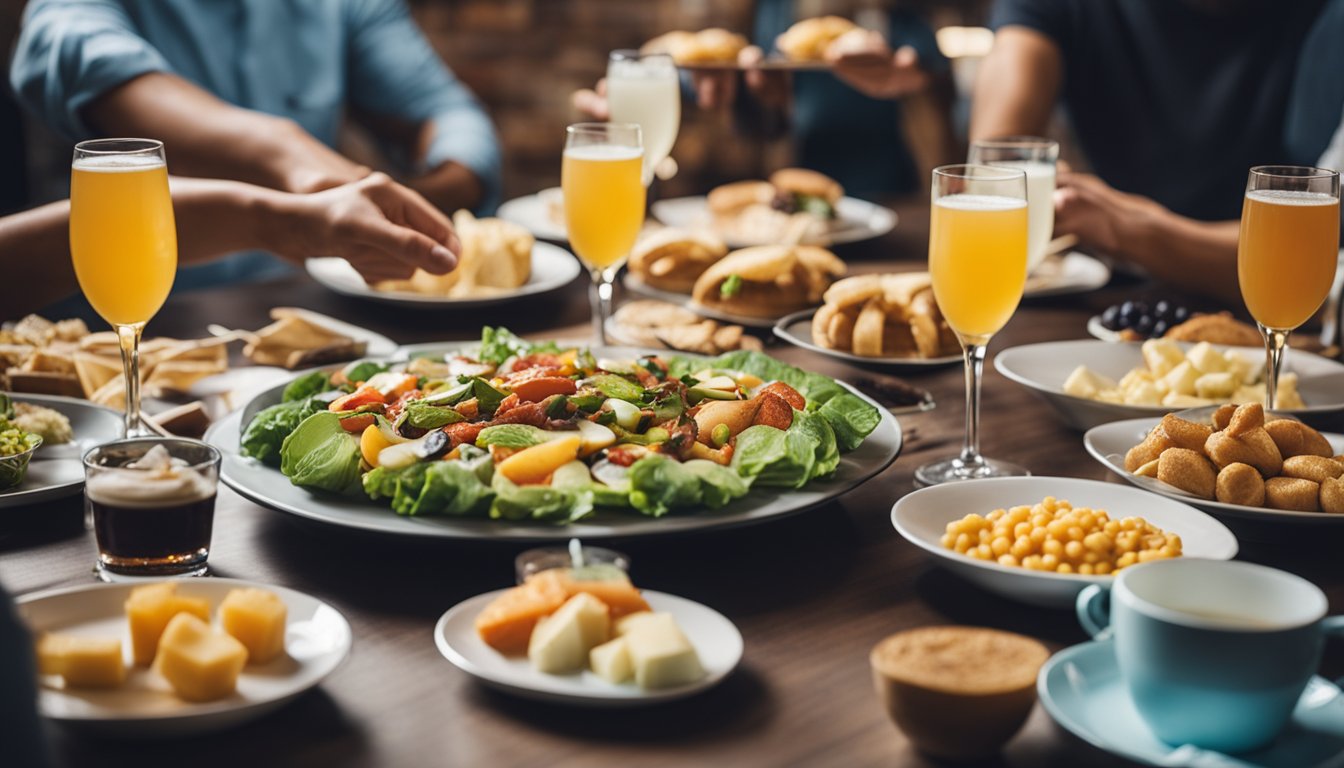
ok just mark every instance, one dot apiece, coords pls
pixel 1215 653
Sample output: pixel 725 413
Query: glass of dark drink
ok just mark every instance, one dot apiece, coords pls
pixel 152 500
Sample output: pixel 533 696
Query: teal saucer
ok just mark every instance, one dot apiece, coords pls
pixel 1081 689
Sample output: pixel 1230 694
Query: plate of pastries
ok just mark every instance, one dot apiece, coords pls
pixel 805 45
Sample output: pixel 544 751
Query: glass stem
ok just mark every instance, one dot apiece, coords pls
pixel 1275 342
pixel 600 298
pixel 975 364
pixel 129 336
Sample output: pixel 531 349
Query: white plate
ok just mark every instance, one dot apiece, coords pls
pixel 1074 272
pixel 552 268
pixel 58 470
pixel 856 220
pixel 797 330
pixel 716 640
pixel 1044 367
pixel 922 518
pixel 1108 444
pixel 269 488
pixel 317 640
pixel 633 283
pixel 530 213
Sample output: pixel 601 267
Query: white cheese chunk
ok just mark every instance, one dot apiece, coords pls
pixel 560 642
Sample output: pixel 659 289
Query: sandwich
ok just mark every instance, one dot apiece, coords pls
pixel 768 280
pixel 673 259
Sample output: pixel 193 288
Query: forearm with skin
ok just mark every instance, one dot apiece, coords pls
pixel 37 262
pixel 1195 256
pixel 449 187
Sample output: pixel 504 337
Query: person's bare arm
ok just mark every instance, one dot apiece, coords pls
pixel 927 125
pixel 209 137
pixel 1017 85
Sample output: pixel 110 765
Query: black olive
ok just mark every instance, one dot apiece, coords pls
pixel 1129 311
pixel 1180 314
pixel 1110 319
pixel 1160 328
pixel 1144 325
pixel 1161 309
pixel 436 444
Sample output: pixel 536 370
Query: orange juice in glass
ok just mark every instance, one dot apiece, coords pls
pixel 601 175
pixel 123 242
pixel 978 262
pixel 1286 253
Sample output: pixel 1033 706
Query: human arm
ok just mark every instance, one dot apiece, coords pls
pixel 383 229
pixel 1197 256
pixel 402 90
pixel 1017 85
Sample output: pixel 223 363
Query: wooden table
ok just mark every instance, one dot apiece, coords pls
pixel 811 593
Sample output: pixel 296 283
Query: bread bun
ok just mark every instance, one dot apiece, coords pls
pixel 801 181
pixel 808 39
pixel 708 46
pixel 774 280
pixel 730 199
pixel 672 259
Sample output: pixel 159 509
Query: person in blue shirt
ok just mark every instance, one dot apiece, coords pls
pixel 256 91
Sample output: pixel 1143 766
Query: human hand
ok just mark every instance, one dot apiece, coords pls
pixel 382 228
pixel 304 165
pixel 1101 216
pixel 592 101
pixel 863 59
pixel 772 88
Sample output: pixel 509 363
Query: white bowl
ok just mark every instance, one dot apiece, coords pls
pixel 1044 367
pixel 922 518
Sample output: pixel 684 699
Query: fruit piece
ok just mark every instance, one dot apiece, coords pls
pixel 561 642
pixel 593 437
pixel 365 395
pixel 737 414
pixel 357 423
pixel 611 661
pixel 392 385
pixel 627 414
pixel 627 623
pixel 200 663
pixel 535 464
pixel 660 653
pixel 506 624
pixel 607 583
pixel 84 662
pixel 371 443
pixel 256 618
pixel 538 389
pixel 148 611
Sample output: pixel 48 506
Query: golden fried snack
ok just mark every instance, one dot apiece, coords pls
pixel 1150 449
pixel 808 39
pixel 1332 497
pixel 868 329
pixel 772 280
pixel 1294 438
pixel 1185 434
pixel 1292 493
pixel 1315 468
pixel 1247 417
pixel 672 259
pixel 1240 484
pixel 1221 328
pixel 854 290
pixel 833 327
pixel 708 46
pixel 1223 416
pixel 1254 448
pixel 1187 470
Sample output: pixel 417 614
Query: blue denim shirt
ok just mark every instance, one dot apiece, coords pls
pixel 307 60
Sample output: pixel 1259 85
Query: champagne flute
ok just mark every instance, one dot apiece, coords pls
pixel 1286 253
pixel 1037 157
pixel 644 89
pixel 123 242
pixel 601 175
pixel 978 262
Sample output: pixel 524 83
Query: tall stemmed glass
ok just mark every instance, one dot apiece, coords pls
pixel 978 262
pixel 1286 253
pixel 123 241
pixel 1037 157
pixel 601 176
pixel 643 88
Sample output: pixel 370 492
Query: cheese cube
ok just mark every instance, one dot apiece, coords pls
pixel 257 619
pixel 1161 355
pixel 200 663
pixel 1181 379
pixel 148 611
pixel 1084 382
pixel 627 623
pixel 661 654
pixel 1216 386
pixel 85 662
pixel 1144 393
pixel 1245 369
pixel 611 661
pixel 1207 359
pixel 561 642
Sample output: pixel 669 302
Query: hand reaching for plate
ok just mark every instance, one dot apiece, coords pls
pixel 863 59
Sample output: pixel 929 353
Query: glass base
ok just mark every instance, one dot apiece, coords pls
pixel 114 573
pixel 955 468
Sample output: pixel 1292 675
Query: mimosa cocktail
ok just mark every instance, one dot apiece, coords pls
pixel 601 175
pixel 644 89
pixel 1286 253
pixel 123 242
pixel 1036 157
pixel 978 262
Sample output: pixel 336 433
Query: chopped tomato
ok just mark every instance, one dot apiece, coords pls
pixel 774 411
pixel 358 423
pixel 394 410
pixel 540 388
pixel 365 395
pixel 463 432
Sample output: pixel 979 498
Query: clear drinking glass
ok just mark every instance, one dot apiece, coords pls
pixel 978 262
pixel 123 242
pixel 1037 157
pixel 602 178
pixel 644 88
pixel 1286 253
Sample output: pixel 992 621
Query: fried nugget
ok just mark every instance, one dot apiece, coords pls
pixel 1315 468
pixel 1187 470
pixel 1292 493
pixel 1240 484
pixel 1294 438
pixel 1254 447
pixel 1247 417
pixel 1152 446
pixel 1185 434
pixel 1332 497
pixel 1223 416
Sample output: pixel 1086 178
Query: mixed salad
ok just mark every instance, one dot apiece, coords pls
pixel 528 431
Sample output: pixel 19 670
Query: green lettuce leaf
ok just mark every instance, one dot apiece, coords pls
pixel 320 454
pixel 659 485
pixel 512 436
pixel 718 485
pixel 456 487
pixel 425 416
pixel 852 419
pixel 614 385
pixel 269 428
pixel 306 386
pixel 828 451
pixel 773 457
pixel 363 370
pixel 538 502
pixel 575 476
pixel 499 344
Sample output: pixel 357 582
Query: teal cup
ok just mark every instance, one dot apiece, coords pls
pixel 1215 653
